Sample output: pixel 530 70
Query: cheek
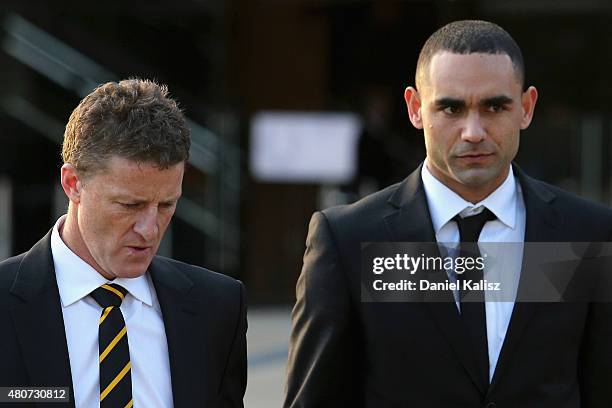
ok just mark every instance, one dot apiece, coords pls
pixel 95 232
pixel 90 217
pixel 163 220
pixel 114 228
pixel 429 121
pixel 439 140
pixel 514 146
pixel 507 124
pixel 438 152
pixel 507 136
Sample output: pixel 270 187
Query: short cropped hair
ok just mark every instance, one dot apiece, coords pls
pixel 134 119
pixel 468 37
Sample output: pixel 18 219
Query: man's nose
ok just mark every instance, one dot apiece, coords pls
pixel 146 224
pixel 473 130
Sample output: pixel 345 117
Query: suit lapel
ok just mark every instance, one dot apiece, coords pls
pixel 410 221
pixel 37 316
pixel 541 226
pixel 184 333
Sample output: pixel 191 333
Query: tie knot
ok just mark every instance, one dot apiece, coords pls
pixel 109 294
pixel 470 227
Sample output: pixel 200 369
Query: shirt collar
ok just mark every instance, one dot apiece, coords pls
pixel 444 203
pixel 76 279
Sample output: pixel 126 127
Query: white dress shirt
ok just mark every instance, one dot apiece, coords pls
pixel 502 262
pixel 151 386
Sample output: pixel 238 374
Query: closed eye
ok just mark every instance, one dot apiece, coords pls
pixel 167 206
pixel 129 206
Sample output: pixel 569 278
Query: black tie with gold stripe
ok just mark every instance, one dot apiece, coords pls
pixel 115 365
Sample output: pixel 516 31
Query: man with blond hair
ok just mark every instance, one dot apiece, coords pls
pixel 91 306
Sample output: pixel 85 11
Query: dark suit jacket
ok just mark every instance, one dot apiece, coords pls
pixel 345 353
pixel 204 315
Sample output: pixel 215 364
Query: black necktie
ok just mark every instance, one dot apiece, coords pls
pixel 115 365
pixel 473 312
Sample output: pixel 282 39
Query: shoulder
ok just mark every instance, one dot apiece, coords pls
pixel 8 271
pixel 202 278
pixel 12 263
pixel 571 201
pixel 362 211
pixel 349 224
pixel 576 217
pixel 569 204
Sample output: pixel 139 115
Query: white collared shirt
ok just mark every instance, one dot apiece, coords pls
pixel 151 385
pixel 506 202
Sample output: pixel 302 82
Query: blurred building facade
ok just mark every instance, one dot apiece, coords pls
pixel 225 61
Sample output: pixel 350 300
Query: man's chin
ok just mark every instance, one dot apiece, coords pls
pixel 133 275
pixel 477 177
pixel 132 272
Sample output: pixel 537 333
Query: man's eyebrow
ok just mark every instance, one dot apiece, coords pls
pixel 497 100
pixel 131 200
pixel 449 102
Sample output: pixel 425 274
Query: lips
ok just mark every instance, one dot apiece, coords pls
pixel 475 159
pixel 474 155
pixel 137 250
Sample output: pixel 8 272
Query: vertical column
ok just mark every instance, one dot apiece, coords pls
pixel 6 217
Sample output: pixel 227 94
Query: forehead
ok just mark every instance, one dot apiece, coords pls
pixel 138 179
pixel 465 75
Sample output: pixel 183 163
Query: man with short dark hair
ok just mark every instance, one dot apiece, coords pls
pixel 91 307
pixel 471 103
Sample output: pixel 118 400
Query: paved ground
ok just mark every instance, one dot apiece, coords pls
pixel 268 338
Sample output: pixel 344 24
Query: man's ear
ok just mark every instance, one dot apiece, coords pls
pixel 528 102
pixel 71 183
pixel 413 103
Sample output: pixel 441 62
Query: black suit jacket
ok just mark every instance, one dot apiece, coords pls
pixel 345 353
pixel 204 316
